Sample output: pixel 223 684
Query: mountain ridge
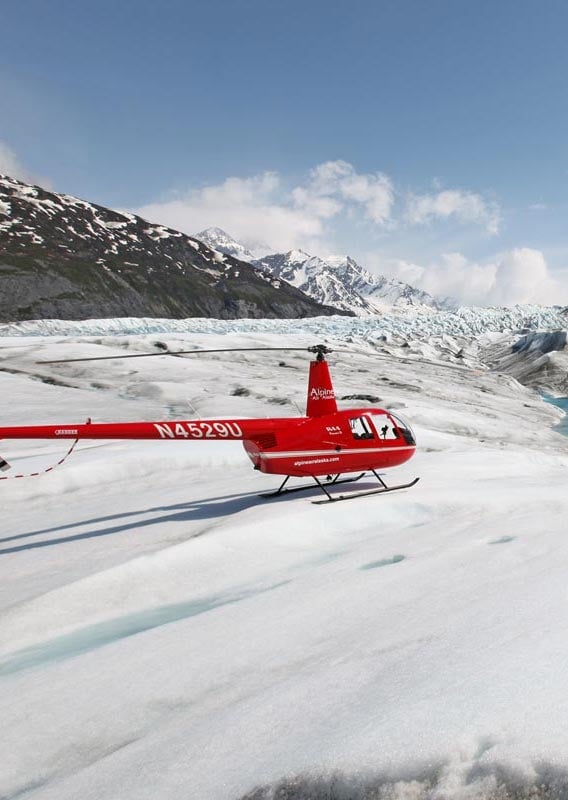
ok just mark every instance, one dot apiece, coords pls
pixel 334 280
pixel 63 257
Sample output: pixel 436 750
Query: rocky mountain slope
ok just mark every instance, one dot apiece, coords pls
pixel 65 258
pixel 336 280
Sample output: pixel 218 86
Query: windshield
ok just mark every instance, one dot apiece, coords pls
pixel 404 429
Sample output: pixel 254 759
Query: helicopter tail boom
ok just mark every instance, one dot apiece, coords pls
pixel 165 430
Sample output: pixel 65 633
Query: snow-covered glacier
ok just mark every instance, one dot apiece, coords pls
pixel 418 321
pixel 166 633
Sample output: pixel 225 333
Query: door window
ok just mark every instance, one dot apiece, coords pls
pixel 361 428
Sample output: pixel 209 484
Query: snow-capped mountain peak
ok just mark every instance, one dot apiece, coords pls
pixel 337 280
pixel 341 282
pixel 340 261
pixel 297 256
pixel 379 289
pixel 317 278
pixel 220 240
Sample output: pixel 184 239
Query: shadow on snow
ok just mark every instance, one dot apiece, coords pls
pixel 223 505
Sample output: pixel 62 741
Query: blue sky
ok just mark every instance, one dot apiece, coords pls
pixel 443 124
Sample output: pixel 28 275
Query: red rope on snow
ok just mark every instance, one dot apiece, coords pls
pixel 43 471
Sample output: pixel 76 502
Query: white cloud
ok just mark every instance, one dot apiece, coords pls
pixel 519 276
pixel 11 165
pixel 247 208
pixel 261 207
pixel 523 275
pixel 463 206
pixel 334 196
pixel 336 183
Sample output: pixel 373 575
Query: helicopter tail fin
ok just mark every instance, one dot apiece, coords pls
pixel 321 395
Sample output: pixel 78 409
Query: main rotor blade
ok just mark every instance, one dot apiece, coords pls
pixel 171 353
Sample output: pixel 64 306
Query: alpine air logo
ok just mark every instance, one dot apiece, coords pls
pixel 321 394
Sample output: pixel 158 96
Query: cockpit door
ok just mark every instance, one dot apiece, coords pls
pixel 361 427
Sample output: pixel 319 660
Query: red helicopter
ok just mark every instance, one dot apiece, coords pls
pixel 324 445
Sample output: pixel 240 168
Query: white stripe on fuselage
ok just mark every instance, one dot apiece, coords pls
pixel 342 452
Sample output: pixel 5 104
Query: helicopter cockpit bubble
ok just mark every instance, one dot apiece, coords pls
pixel 404 428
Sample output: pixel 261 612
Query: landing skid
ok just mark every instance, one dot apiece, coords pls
pixel 333 482
pixel 383 490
